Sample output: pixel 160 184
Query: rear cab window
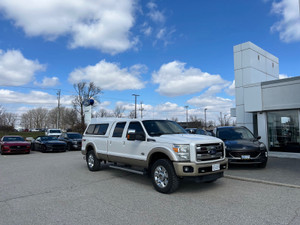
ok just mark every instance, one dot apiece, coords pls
pixel 119 128
pixel 97 129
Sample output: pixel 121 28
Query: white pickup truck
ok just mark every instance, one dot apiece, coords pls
pixel 160 148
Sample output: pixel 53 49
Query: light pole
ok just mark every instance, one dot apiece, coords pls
pixel 187 113
pixel 135 97
pixel 205 118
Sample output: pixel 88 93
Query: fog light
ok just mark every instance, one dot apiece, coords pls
pixel 188 169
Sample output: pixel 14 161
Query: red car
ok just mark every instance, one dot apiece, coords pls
pixel 14 144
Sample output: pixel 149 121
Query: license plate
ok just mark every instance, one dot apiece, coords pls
pixel 245 156
pixel 215 167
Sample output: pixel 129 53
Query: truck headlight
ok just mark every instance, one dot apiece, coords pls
pixel 182 152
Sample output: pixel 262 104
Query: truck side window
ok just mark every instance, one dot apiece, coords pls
pixel 101 129
pixel 137 127
pixel 119 129
pixel 90 130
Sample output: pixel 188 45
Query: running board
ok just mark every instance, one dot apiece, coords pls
pixel 128 169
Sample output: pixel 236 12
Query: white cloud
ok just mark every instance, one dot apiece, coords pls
pixel 100 24
pixel 154 14
pixel 231 89
pixel 283 76
pixel 109 76
pixel 289 25
pixel 15 69
pixel 175 80
pixel 48 82
pixel 212 103
pixel 32 98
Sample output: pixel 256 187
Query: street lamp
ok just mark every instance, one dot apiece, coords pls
pixel 187 113
pixel 205 118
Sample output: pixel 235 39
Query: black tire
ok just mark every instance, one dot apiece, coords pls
pixel 93 163
pixel 43 149
pixel 263 165
pixel 69 147
pixel 163 176
pixel 32 147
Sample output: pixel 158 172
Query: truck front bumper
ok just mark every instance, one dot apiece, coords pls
pixel 188 169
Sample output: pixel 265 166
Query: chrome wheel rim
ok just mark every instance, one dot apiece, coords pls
pixel 161 176
pixel 91 161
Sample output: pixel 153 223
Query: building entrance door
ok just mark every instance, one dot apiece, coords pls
pixel 283 131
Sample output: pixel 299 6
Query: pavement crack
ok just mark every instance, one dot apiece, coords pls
pixel 296 215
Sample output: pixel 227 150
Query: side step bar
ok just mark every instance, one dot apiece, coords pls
pixel 128 169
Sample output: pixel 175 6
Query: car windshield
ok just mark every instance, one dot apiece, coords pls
pixel 48 138
pixel 11 139
pixel 235 133
pixel 161 127
pixel 74 136
pixel 55 131
pixel 200 131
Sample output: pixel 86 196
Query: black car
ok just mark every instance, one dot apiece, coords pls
pixel 72 139
pixel 242 147
pixel 48 144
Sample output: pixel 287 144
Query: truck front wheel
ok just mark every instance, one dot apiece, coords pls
pixel 92 162
pixel 164 178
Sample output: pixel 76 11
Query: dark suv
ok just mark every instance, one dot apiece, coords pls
pixel 242 147
pixel 73 140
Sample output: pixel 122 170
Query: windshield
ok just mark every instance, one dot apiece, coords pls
pixel 55 131
pixel 11 139
pixel 160 127
pixel 235 133
pixel 48 138
pixel 74 136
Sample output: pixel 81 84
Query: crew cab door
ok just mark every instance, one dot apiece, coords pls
pixel 136 148
pixel 126 151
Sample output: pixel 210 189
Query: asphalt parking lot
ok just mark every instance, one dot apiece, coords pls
pixel 279 171
pixel 57 188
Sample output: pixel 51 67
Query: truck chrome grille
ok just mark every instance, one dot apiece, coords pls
pixel 207 152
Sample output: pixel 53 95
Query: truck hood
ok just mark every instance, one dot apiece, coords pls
pixel 186 139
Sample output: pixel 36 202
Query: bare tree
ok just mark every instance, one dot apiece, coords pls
pixel 224 120
pixel 7 119
pixel 69 118
pixel 35 118
pixel 131 114
pixel 196 122
pixel 119 110
pixel 84 91
pixel 174 119
pixel 102 113
pixel 26 120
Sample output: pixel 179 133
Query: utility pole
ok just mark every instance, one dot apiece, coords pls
pixel 205 118
pixel 58 108
pixel 221 120
pixel 187 114
pixel 135 97
pixel 142 109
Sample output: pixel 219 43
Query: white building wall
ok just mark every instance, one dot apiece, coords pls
pixel 262 127
pixel 252 65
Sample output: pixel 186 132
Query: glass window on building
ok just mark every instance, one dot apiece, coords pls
pixel 283 131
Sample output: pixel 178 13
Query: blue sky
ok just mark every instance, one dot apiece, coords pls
pixel 171 53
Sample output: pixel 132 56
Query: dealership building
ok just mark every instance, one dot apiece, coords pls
pixel 265 104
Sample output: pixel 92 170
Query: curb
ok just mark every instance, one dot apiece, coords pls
pixel 262 181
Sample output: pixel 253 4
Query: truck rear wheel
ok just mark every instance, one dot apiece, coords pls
pixel 92 162
pixel 164 178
